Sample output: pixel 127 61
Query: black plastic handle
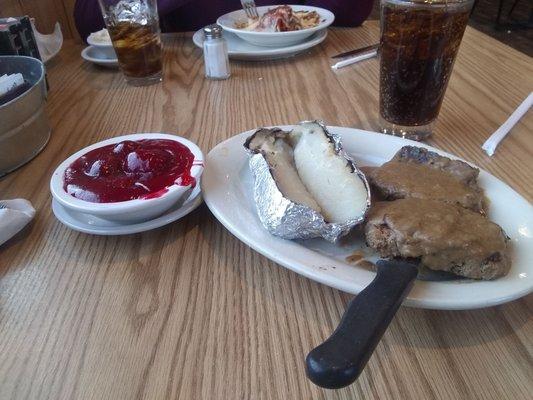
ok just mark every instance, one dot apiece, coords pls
pixel 339 360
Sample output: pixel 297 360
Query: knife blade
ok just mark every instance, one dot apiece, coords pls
pixel 357 51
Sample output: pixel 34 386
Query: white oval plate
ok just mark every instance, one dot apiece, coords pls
pixel 88 223
pixel 274 39
pixel 98 57
pixel 226 187
pixel 238 49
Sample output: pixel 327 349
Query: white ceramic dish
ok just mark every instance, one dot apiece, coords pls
pixel 226 187
pixel 87 223
pixel 132 210
pixel 99 57
pixel 239 49
pixel 103 47
pixel 274 39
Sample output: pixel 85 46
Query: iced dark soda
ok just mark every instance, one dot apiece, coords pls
pixel 138 48
pixel 134 29
pixel 419 43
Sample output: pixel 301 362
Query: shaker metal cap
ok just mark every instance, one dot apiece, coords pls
pixel 213 31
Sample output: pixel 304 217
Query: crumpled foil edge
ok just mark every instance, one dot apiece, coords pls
pixel 284 218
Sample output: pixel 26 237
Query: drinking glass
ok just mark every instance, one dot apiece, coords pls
pixel 134 29
pixel 419 43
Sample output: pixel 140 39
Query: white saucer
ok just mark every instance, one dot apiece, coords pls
pixel 239 49
pixel 90 224
pixel 98 57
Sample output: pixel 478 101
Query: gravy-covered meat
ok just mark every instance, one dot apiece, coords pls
pixel 419 173
pixel 444 236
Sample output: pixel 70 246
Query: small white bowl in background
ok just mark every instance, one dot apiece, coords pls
pixel 96 56
pixel 274 39
pixel 130 211
pixel 102 44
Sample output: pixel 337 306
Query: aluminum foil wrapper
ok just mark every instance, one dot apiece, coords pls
pixel 287 219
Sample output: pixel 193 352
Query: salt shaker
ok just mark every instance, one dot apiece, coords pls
pixel 215 53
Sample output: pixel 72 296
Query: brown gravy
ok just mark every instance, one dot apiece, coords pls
pixel 358 259
pixel 397 180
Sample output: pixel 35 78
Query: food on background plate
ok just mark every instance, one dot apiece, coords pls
pixel 419 173
pixel 101 37
pixel 129 170
pixel 281 19
pixel 443 236
pixel 305 186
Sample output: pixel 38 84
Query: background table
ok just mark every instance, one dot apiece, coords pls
pixel 189 311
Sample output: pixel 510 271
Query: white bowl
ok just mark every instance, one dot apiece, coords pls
pixel 132 210
pixel 96 56
pixel 274 39
pixel 106 49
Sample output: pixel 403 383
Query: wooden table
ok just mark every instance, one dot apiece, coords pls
pixel 187 311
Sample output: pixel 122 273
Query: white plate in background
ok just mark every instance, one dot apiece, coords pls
pixel 227 190
pixel 239 49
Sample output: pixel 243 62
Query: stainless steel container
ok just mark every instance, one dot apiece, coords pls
pixel 24 126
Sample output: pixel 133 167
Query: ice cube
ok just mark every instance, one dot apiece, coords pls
pixel 131 10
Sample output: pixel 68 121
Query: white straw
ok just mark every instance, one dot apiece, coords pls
pixel 492 142
pixel 355 59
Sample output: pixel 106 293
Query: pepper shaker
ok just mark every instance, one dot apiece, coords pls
pixel 215 53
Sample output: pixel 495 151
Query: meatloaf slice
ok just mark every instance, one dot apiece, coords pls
pixel 419 173
pixel 443 236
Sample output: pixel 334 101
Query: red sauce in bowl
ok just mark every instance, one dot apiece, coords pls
pixel 129 170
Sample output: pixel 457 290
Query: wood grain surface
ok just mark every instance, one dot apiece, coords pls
pixel 188 311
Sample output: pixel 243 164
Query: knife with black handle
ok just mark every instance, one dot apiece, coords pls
pixel 341 358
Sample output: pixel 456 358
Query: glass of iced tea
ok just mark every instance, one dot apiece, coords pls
pixel 134 29
pixel 419 43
